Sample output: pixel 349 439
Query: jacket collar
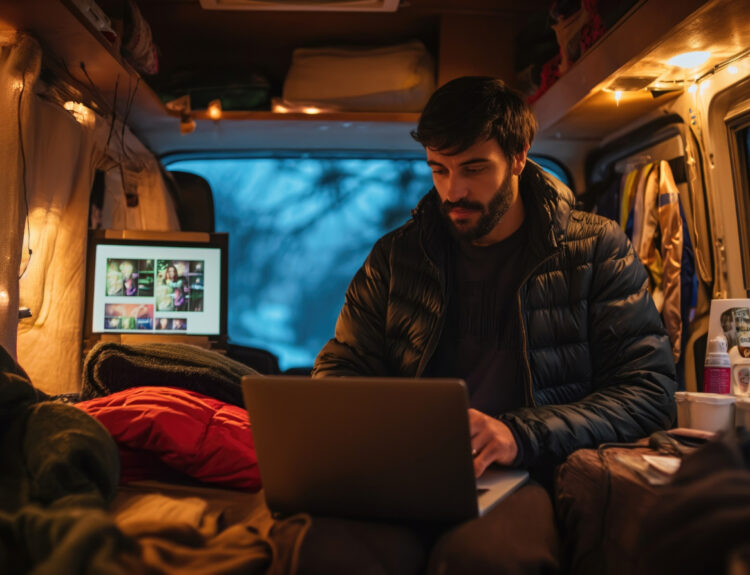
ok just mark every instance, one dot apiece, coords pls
pixel 547 203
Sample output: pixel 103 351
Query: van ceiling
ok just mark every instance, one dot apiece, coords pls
pixel 231 44
pixel 199 47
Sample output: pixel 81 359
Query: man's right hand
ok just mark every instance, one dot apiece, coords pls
pixel 491 441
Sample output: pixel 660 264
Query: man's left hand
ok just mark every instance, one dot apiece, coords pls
pixel 491 441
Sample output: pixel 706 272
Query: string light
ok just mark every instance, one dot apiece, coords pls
pixel 214 109
pixel 618 96
pixel 81 113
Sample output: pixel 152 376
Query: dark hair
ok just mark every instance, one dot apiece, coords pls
pixel 475 108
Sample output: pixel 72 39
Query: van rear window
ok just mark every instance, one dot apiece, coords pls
pixel 299 228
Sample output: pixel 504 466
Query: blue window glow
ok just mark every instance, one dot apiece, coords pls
pixel 553 167
pixel 299 229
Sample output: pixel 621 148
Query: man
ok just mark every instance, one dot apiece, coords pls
pixel 542 309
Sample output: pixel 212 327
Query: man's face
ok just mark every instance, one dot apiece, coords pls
pixel 727 322
pixel 477 188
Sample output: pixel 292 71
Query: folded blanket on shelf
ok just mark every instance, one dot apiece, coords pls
pixel 111 367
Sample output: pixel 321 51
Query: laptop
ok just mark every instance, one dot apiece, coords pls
pixel 370 448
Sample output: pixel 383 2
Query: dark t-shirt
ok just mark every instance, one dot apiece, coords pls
pixel 481 339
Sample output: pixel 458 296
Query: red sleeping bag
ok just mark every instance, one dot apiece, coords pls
pixel 191 433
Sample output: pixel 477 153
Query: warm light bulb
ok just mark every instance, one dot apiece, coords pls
pixel 733 69
pixel 81 113
pixel 689 59
pixel 618 96
pixel 214 109
pixel 311 110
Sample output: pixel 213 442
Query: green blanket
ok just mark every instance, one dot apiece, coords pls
pixel 60 469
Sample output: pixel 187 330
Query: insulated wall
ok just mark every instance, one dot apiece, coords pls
pixel 20 59
pixel 64 145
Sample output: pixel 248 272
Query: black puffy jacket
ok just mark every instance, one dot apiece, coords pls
pixel 599 365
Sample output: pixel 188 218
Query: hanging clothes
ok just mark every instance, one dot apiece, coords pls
pixel 644 223
pixel 629 182
pixel 648 241
pixel 657 237
pixel 670 223
pixel 645 201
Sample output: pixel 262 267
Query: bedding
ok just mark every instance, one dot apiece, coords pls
pixel 111 367
pixel 61 510
pixel 201 530
pixel 191 433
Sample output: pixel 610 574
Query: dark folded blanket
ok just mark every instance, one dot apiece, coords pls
pixel 112 367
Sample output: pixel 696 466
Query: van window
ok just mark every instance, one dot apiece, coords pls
pixel 299 229
pixel 553 167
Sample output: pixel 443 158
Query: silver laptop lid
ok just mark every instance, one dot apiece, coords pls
pixel 363 447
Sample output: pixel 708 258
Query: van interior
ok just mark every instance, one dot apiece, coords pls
pixel 259 148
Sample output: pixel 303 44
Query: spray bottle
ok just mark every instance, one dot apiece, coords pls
pixel 717 373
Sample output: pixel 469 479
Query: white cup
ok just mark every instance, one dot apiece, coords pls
pixel 742 415
pixel 683 408
pixel 711 411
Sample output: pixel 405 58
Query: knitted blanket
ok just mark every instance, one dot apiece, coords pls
pixel 112 367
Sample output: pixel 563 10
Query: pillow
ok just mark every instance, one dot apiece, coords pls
pixel 398 78
pixel 191 433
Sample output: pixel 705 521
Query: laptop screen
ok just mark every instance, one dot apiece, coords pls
pixel 159 285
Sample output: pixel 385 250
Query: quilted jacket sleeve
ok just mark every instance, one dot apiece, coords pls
pixel 633 370
pixel 358 346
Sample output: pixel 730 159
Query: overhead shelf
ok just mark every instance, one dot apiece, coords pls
pixel 578 105
pixel 73 47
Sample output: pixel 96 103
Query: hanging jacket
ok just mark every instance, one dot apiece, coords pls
pixel 597 361
pixel 670 224
pixel 658 241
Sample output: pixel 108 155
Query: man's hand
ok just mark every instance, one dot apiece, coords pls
pixel 491 441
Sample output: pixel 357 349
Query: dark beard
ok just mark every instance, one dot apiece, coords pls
pixel 496 209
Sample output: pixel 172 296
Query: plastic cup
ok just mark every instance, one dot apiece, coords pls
pixel 742 413
pixel 711 411
pixel 683 408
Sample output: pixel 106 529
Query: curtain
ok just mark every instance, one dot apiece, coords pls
pixel 20 60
